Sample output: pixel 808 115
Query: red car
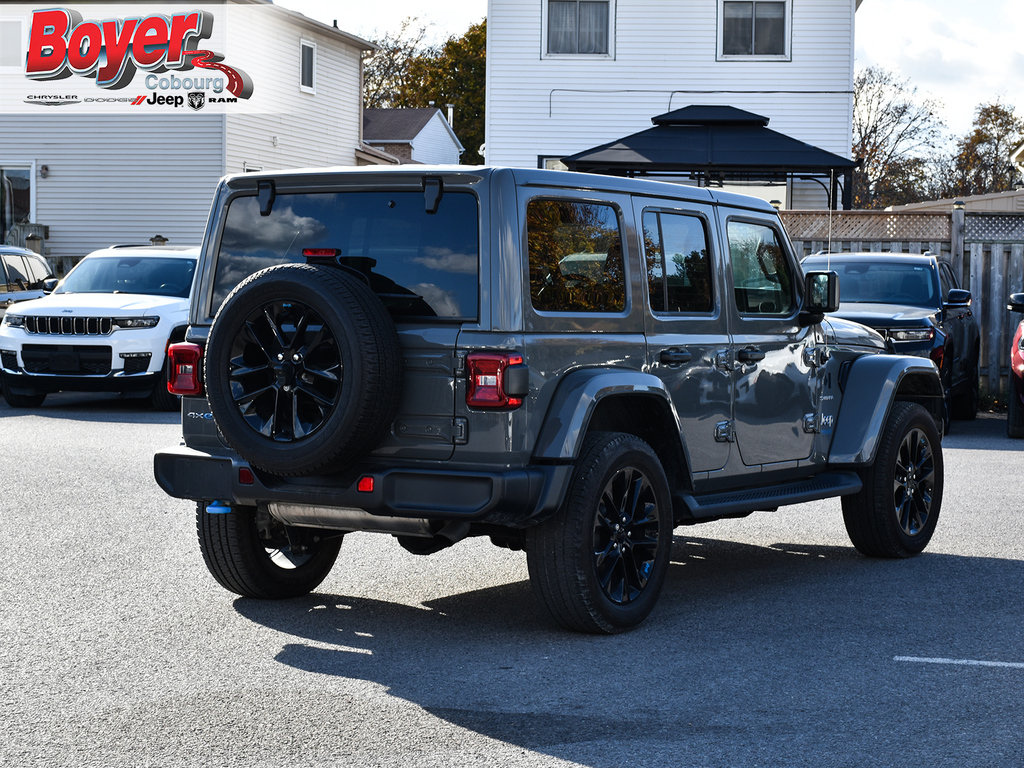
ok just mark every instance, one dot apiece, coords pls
pixel 1015 385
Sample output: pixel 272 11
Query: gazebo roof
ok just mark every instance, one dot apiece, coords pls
pixel 710 140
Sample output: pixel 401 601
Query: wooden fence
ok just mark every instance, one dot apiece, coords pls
pixel 986 251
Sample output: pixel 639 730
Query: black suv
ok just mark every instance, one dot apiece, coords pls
pixel 570 364
pixel 917 303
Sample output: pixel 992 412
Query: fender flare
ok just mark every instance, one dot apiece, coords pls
pixel 576 399
pixel 873 384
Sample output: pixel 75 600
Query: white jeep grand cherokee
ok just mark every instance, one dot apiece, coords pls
pixel 105 327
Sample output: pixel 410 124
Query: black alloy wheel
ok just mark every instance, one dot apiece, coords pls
pixel 626 535
pixel 914 482
pixel 285 371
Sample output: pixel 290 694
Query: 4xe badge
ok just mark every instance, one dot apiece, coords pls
pixel 196 100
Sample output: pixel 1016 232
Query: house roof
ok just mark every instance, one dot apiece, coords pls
pixel 709 140
pixel 395 124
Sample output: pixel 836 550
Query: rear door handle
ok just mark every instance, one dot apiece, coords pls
pixel 750 355
pixel 675 357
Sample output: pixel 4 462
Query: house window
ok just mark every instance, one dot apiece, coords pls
pixel 754 28
pixel 307 77
pixel 11 48
pixel 579 27
pixel 15 198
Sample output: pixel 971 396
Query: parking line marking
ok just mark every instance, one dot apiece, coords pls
pixel 961 662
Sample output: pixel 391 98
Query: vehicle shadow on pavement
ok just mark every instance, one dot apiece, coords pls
pixel 986 432
pixel 95 408
pixel 751 653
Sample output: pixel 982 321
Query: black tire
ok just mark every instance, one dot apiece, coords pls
pixel 895 513
pixel 281 564
pixel 1014 412
pixel 303 369
pixel 16 400
pixel 598 565
pixel 161 399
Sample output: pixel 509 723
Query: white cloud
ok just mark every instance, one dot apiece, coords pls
pixel 963 54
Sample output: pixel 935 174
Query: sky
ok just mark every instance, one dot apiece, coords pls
pixel 960 52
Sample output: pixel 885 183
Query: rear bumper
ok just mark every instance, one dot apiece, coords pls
pixel 509 497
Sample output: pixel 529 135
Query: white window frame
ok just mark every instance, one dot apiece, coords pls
pixel 32 167
pixel 583 56
pixel 303 44
pixel 787 55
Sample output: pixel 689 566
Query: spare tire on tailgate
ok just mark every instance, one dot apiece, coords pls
pixel 303 369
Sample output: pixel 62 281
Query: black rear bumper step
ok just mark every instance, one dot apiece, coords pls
pixel 726 503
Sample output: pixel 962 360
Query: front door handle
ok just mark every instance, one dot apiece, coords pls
pixel 674 357
pixel 750 355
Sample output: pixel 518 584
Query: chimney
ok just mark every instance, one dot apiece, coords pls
pixel 451 114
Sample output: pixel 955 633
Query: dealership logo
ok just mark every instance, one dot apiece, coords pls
pixel 61 45
pixel 196 100
pixel 52 101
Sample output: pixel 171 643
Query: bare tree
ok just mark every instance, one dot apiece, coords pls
pixel 386 74
pixel 892 128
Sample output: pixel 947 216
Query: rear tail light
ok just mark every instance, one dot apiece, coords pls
pixel 497 381
pixel 184 371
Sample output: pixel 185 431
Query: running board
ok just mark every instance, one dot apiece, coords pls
pixel 729 503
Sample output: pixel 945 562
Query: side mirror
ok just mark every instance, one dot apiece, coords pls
pixel 1016 303
pixel 49 284
pixel 958 297
pixel 821 295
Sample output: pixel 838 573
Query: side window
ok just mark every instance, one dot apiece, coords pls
pixel 762 279
pixel 18 280
pixel 38 270
pixel 946 280
pixel 575 253
pixel 678 263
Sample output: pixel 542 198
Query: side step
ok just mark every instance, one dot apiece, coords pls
pixel 731 503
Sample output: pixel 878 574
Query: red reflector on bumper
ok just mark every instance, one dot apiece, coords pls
pixel 365 485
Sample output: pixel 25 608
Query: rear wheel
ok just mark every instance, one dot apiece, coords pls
pixel 598 565
pixel 255 556
pixel 895 513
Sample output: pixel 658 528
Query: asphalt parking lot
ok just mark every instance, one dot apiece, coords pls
pixel 774 642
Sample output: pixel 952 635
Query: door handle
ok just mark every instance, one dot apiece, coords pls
pixel 674 357
pixel 750 355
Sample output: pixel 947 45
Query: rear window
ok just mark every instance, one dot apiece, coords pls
pixel 421 265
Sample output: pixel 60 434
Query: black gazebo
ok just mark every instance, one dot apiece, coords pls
pixel 714 144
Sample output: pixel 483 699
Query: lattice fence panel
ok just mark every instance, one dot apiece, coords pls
pixel 994 228
pixel 869 226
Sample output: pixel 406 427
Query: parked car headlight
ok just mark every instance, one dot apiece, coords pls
pixel 14 321
pixel 912 334
pixel 136 322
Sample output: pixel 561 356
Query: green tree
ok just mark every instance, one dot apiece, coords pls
pixel 893 130
pixel 981 163
pixel 410 74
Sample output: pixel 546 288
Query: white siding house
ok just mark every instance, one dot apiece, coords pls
pixel 412 135
pixel 92 178
pixel 564 75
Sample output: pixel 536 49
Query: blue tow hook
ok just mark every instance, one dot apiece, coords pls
pixel 218 508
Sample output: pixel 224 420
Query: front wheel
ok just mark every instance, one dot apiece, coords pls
pixel 253 555
pixel 895 513
pixel 599 563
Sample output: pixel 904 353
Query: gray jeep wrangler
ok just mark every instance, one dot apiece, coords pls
pixel 572 365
